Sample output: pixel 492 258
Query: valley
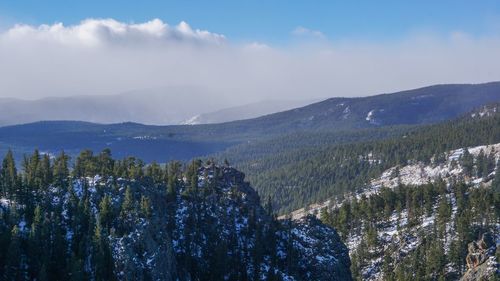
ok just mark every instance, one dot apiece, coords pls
pixel 367 200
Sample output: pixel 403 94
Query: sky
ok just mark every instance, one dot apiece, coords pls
pixel 244 51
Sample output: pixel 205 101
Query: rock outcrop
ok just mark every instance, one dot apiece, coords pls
pixel 218 230
pixel 481 260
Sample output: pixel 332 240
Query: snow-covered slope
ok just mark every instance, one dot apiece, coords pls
pixel 448 169
pixel 414 174
pixel 397 236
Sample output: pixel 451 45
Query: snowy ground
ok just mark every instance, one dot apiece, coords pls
pixel 414 174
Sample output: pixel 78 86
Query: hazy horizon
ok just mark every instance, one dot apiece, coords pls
pixel 171 56
pixel 108 52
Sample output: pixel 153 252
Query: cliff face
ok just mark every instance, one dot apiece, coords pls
pixel 321 253
pixel 481 262
pixel 226 234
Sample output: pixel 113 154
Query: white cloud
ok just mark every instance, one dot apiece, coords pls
pixel 96 32
pixel 302 31
pixel 108 56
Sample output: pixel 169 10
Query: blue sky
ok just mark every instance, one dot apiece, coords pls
pixel 272 21
pixel 245 51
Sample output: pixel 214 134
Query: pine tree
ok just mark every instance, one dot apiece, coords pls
pixel 35 249
pixel 45 172
pixel 127 207
pixel 106 163
pixel 371 236
pixel 8 176
pixel 102 258
pixel 145 207
pixel 467 163
pixel 13 269
pixel 31 169
pixel 192 175
pixel 105 212
pixel 61 170
pixel 355 267
pixel 85 165
pixel 325 217
pixel 496 181
pixel 172 180
pixel 56 269
pixel 435 258
pixel 443 215
pixel 269 206
pixel 481 164
pixel 155 173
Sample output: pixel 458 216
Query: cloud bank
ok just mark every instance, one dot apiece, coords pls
pixel 105 56
pixel 98 32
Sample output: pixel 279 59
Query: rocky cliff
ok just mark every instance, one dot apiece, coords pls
pixel 481 261
pixel 206 223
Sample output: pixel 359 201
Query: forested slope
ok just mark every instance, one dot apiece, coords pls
pixel 295 178
pixel 110 219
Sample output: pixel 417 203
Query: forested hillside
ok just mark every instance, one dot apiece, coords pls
pixel 109 219
pixel 298 177
pixel 421 221
pixel 420 233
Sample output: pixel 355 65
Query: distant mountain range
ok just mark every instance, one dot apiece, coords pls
pixel 419 106
pixel 162 106
pixel 413 107
pixel 247 111
pixel 165 106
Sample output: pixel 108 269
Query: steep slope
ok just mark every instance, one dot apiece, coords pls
pixel 423 216
pixel 205 223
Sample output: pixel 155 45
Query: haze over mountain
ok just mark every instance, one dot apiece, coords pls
pixel 161 106
pixel 246 111
pixel 333 116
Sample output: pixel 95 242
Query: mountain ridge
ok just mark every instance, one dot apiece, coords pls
pixel 408 108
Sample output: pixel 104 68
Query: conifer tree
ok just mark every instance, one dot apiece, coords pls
pixel 145 207
pixel 61 170
pixel 496 181
pixel 45 172
pixel 467 163
pixel 102 258
pixel 13 267
pixel 481 164
pixel 85 164
pixel 154 172
pixel 105 212
pixel 106 163
pixel 8 175
pixel 127 207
